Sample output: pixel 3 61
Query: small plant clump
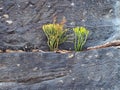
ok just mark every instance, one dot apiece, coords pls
pixel 55 33
pixel 81 35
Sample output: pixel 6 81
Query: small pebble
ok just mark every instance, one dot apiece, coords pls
pixel 61 81
pixel 62 74
pixel 48 6
pixel 18 65
pixel 73 79
pixel 83 20
pixel 31 5
pixel 1 8
pixel 9 21
pixel 110 54
pixel 34 69
pixel 18 5
pixel 71 56
pixel 88 77
pixel 72 23
pixel 82 65
pixel 70 71
pixel 96 56
pixel 6 16
pixel 72 4
pixel 90 56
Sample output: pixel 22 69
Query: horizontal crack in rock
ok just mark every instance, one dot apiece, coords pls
pixel 39 79
pixel 108 44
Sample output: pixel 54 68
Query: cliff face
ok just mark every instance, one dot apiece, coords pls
pixel 89 70
pixel 21 21
pixel 20 29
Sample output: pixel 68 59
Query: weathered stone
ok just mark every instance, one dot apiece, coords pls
pixel 20 30
pixel 28 16
pixel 88 70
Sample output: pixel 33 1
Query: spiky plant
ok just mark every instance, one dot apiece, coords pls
pixel 55 33
pixel 81 35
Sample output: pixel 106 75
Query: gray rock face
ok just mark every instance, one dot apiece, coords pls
pixel 20 28
pixel 89 70
pixel 21 21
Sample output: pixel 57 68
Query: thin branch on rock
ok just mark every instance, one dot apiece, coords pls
pixel 108 44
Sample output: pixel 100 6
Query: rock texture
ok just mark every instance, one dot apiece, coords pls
pixel 21 21
pixel 20 29
pixel 88 70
